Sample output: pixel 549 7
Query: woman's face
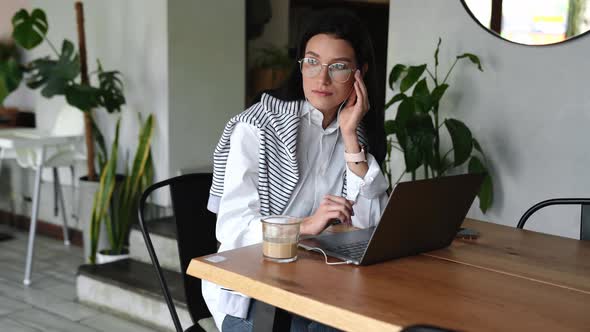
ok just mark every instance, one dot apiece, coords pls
pixel 323 91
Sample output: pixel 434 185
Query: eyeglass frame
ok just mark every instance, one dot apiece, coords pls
pixel 327 67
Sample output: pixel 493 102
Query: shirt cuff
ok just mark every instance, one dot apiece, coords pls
pixel 370 186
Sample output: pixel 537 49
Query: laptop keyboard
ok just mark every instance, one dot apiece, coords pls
pixel 353 250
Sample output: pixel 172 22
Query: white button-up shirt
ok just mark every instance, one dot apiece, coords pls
pixel 320 157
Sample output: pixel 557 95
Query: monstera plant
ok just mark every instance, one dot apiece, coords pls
pixel 64 73
pixel 418 125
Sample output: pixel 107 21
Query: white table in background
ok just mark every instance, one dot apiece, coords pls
pixel 39 140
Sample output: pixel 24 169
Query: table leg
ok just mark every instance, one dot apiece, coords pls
pixel 34 213
pixel 270 318
pixel 60 194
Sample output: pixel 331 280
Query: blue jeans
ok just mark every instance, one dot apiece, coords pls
pixel 298 323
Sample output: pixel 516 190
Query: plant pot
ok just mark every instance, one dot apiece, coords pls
pixel 266 78
pixel 85 203
pixel 103 256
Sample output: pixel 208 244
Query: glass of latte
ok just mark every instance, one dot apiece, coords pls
pixel 280 238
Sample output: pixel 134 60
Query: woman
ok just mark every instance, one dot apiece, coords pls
pixel 301 151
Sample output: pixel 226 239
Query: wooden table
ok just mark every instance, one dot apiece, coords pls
pixel 544 258
pixel 508 279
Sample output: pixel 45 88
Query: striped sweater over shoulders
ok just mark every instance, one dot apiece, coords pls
pixel 277 122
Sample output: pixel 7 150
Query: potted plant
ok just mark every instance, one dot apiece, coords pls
pixel 271 67
pixel 418 125
pixel 66 74
pixel 115 202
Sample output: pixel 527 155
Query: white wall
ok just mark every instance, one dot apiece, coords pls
pixel 207 77
pixel 130 36
pixel 123 40
pixel 529 109
pixel 183 61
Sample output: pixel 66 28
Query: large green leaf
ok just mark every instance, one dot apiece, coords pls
pixel 102 198
pixel 405 111
pixel 421 133
pixel 476 146
pixel 29 30
pixel 445 165
pixel 422 96
pixel 415 134
pixel 394 99
pixel 111 90
pixel 395 74
pixel 438 92
pixel 131 190
pixel 486 191
pixel 462 140
pixel 83 97
pixel 414 74
pixel 389 127
pixel 473 58
pixel 55 76
pixel 412 155
pixel 10 78
pixel 102 147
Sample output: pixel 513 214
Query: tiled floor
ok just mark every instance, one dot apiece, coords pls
pixel 49 304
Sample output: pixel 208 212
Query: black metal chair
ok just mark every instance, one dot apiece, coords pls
pixel 195 227
pixel 584 219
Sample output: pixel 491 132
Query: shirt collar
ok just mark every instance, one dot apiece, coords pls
pixel 316 117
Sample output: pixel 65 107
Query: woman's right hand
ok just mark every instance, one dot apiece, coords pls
pixel 331 208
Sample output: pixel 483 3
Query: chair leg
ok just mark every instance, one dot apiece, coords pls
pixel 75 206
pixel 270 318
pixel 55 184
pixel 60 194
pixel 33 225
pixel 585 223
pixel 1 158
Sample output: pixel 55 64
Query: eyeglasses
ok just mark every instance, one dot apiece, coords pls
pixel 339 72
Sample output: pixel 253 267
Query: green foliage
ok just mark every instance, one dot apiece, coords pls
pixel 417 126
pixel 29 29
pixel 115 202
pixel 59 74
pixel 10 77
pixel 59 77
pixel 54 76
pixel 272 57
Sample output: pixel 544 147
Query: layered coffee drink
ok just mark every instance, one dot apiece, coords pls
pixel 280 238
pixel 279 250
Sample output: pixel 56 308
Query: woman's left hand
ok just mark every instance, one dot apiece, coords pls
pixel 356 107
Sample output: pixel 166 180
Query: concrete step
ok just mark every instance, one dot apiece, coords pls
pixel 131 289
pixel 163 236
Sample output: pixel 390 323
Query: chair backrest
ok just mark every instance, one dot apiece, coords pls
pixel 195 227
pixel 584 217
pixel 68 122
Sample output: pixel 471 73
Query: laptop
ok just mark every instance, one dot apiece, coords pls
pixel 420 216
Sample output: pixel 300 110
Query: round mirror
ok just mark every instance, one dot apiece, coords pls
pixel 532 22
